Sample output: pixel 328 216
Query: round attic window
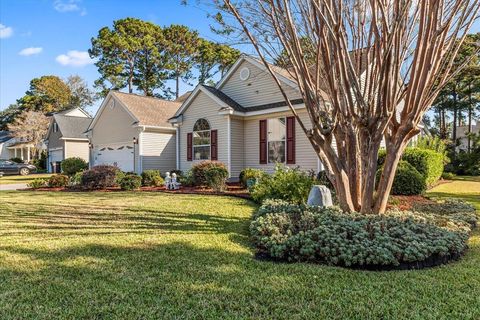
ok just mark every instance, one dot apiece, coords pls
pixel 112 104
pixel 244 73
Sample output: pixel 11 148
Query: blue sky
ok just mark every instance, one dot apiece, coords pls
pixel 63 29
pixel 42 37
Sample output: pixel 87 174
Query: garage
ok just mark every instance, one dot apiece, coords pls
pixel 120 156
pixel 56 157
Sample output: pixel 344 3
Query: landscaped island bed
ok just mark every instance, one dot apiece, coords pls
pixel 155 255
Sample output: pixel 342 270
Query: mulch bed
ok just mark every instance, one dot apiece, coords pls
pixel 233 189
pixel 406 203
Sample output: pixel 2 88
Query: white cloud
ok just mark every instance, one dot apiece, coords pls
pixel 5 31
pixel 69 6
pixel 75 58
pixel 30 51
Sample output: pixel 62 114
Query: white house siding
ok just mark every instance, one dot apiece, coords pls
pixel 306 158
pixel 237 147
pixel 203 107
pixel 77 149
pixel 158 151
pixel 258 89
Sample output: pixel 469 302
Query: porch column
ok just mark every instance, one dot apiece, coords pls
pixel 21 153
pixel 28 153
pixel 15 151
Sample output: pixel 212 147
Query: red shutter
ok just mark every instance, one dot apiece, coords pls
pixel 291 140
pixel 263 141
pixel 213 145
pixel 189 146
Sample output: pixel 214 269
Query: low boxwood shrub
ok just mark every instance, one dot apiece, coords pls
pixel 187 179
pixel 408 181
pixel 99 177
pixel 37 183
pixel 199 169
pixel 250 176
pixel 216 177
pixel 289 184
pixel 328 235
pixel 129 181
pixel 152 178
pixel 71 166
pixel 58 181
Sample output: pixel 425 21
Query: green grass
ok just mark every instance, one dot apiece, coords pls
pixel 23 179
pixel 158 256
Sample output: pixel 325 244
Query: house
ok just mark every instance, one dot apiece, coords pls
pixel 66 137
pixel 462 132
pixel 11 147
pixel 243 122
pixel 133 133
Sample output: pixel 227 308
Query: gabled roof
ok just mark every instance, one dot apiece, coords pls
pixel 148 111
pixel 183 97
pixel 5 136
pixel 145 111
pixel 229 101
pixel 72 127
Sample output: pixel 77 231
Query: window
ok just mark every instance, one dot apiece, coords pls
pixel 55 127
pixel 276 140
pixel 201 140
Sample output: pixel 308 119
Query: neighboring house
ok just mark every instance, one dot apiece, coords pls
pixel 11 147
pixel 133 133
pixel 66 137
pixel 462 132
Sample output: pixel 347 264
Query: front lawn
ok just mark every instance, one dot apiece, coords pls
pixel 23 179
pixel 163 256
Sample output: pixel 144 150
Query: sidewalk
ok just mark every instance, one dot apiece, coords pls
pixel 4 187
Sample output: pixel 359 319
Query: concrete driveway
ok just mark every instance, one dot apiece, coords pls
pixel 4 187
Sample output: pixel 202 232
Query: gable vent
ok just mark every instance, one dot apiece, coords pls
pixel 244 73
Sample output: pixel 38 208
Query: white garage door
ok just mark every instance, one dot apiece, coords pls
pixel 120 156
pixel 56 155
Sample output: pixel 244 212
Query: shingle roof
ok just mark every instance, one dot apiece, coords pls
pixel 5 136
pixel 72 127
pixel 149 111
pixel 229 101
pixel 183 97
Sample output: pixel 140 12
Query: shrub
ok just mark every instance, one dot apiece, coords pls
pixel 199 169
pixel 428 162
pixel 216 177
pixel 37 183
pixel 152 178
pixel 76 179
pixel 448 176
pixel 129 181
pixel 57 181
pixel 16 160
pixel 71 166
pixel 285 183
pixel 452 208
pixel 327 235
pixel 408 181
pixel 250 176
pixel 179 173
pixel 99 177
pixel 187 179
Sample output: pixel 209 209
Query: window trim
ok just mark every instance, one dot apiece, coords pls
pixel 209 145
pixel 284 140
pixel 55 127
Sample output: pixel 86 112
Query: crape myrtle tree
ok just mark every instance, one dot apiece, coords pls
pixel 380 65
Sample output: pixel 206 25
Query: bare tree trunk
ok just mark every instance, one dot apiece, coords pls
pixel 455 113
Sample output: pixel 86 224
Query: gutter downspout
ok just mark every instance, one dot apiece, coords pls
pixel 177 147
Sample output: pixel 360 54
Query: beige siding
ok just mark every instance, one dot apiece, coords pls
pixel 306 157
pixel 158 151
pixel 77 149
pixel 203 107
pixel 237 147
pixel 258 89
pixel 113 126
pixel 76 113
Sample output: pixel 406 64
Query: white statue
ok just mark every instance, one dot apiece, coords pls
pixel 174 183
pixel 167 180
